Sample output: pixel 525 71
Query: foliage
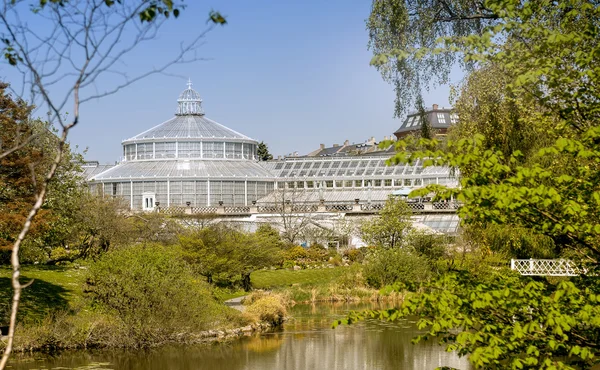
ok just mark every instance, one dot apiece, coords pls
pixel 424 120
pixel 270 308
pixel 295 253
pixel 354 254
pixel 558 201
pixel 528 155
pixel 400 31
pixel 150 286
pixel 513 242
pixel 430 246
pixel 390 228
pixel 317 253
pixel 263 152
pixel 149 11
pixel 504 321
pixel 508 120
pixel 18 181
pixel 386 266
pixel 22 172
pixel 221 253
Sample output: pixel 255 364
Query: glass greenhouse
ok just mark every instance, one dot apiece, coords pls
pixel 187 160
pixel 191 160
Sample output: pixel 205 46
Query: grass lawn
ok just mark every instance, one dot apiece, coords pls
pixel 53 288
pixel 266 279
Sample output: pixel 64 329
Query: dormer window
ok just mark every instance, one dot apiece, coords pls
pixel 441 118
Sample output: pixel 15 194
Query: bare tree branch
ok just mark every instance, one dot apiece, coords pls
pixel 72 44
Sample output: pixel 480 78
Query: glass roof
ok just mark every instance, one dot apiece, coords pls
pixel 190 127
pixel 351 167
pixel 190 123
pixel 157 169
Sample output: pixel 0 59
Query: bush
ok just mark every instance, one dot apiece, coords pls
pixel 295 253
pixel 317 253
pixel 151 289
pixel 354 255
pixel 267 307
pixel 395 265
pixel 430 246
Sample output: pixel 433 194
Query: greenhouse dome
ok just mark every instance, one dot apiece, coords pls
pixel 188 160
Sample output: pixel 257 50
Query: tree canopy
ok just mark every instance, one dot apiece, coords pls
pixel 527 158
pixel 263 152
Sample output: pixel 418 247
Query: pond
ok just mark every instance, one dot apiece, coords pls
pixel 306 342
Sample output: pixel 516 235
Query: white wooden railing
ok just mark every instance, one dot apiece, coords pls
pixel 555 267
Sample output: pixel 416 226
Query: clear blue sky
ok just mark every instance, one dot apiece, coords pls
pixel 291 73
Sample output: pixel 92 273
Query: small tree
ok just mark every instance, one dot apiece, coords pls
pixel 424 120
pixel 391 227
pixel 221 253
pixel 263 152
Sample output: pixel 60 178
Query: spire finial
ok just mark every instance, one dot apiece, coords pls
pixel 189 101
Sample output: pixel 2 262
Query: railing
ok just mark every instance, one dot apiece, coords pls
pixel 204 209
pixel 556 267
pixel 416 206
pixel 445 205
pixel 338 207
pixel 239 209
pixel 172 210
pixel 305 208
pixel 277 208
pixel 372 207
pixel 308 207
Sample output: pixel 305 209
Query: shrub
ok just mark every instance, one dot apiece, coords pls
pixel 151 289
pixel 287 264
pixel 267 307
pixel 430 246
pixel 317 253
pixel 354 255
pixel 295 253
pixel 336 260
pixel 387 266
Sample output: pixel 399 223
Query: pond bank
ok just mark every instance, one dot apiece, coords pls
pixel 306 342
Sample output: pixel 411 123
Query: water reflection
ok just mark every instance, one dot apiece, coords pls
pixel 305 343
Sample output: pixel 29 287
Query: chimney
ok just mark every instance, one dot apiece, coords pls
pixel 435 107
pixel 322 146
pixel 346 143
pixel 336 145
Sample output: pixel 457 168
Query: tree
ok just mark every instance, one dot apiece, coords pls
pixel 221 253
pixel 72 45
pixel 292 211
pixel 424 120
pixel 259 250
pixel 391 227
pixel 528 157
pixel 210 251
pixel 402 31
pixel 17 185
pixel 263 152
pixel 503 321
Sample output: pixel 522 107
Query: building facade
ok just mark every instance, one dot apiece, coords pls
pixel 193 161
pixel 186 160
